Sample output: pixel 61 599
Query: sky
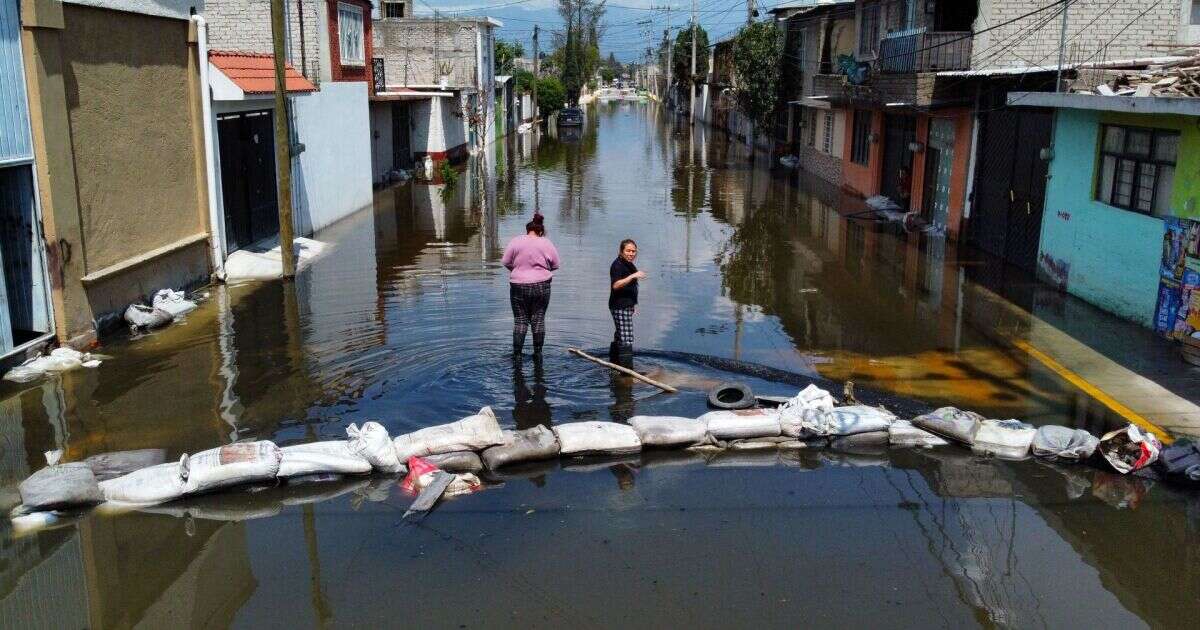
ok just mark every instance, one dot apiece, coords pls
pixel 631 25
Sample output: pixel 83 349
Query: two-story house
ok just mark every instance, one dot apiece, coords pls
pixel 435 88
pixel 924 97
pixel 328 48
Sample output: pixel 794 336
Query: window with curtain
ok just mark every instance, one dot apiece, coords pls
pixel 1195 17
pixel 1137 168
pixel 868 31
pixel 350 34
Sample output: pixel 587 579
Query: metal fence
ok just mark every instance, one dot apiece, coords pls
pixel 920 51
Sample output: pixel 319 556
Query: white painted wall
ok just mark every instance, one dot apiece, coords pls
pixel 179 9
pixel 332 177
pixel 435 128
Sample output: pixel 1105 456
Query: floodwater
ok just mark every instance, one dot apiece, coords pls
pixel 408 322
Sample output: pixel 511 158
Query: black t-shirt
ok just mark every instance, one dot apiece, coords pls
pixel 626 296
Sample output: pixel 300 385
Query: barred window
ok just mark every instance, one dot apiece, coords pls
pixel 868 31
pixel 1137 168
pixel 860 148
pixel 811 115
pixel 827 143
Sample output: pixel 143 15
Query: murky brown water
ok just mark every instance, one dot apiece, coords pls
pixel 408 322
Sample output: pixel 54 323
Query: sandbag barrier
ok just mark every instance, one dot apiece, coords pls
pixel 478 454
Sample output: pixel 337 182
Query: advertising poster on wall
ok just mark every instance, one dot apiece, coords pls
pixel 1178 311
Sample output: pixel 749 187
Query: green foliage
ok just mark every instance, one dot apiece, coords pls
pixel 608 74
pixel 592 84
pixel 524 80
pixel 578 54
pixel 448 174
pixel 682 55
pixel 758 48
pixel 551 95
pixel 504 53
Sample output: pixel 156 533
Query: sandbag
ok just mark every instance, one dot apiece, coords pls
pixel 147 486
pixel 855 441
pixel 668 430
pixel 473 433
pixel 332 456
pixel 742 423
pixel 903 434
pixel 229 465
pixel 147 317
pixel 372 443
pixel 173 302
pixel 116 463
pixel 1181 461
pixel 61 486
pixel 1129 449
pixel 522 446
pixel 457 462
pixel 811 397
pixel 951 423
pixel 1062 444
pixel 579 438
pixel 839 421
pixel 1007 439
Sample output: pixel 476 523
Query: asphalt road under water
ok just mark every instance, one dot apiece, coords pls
pixel 408 322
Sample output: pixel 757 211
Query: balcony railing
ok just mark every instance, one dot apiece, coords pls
pixel 924 51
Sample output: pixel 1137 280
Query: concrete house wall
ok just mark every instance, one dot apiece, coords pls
pixel 414 49
pixel 1106 255
pixel 245 26
pixel 115 111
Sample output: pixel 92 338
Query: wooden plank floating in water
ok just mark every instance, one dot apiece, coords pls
pixel 623 370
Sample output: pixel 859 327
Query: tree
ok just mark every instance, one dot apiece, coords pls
pixel 551 95
pixel 524 80
pixel 682 56
pixel 578 53
pixel 504 53
pixel 757 50
pixel 608 74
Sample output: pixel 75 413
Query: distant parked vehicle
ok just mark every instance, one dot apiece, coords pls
pixel 570 117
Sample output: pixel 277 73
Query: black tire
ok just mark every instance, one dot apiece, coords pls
pixel 731 396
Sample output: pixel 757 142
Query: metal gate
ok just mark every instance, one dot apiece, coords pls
pixel 898 132
pixel 1010 184
pixel 248 179
pixel 939 164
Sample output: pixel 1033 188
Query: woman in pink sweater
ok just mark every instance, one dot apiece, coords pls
pixel 531 260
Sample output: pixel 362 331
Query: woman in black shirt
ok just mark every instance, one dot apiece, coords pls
pixel 623 277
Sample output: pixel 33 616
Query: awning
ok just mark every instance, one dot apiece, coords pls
pixel 817 102
pixel 242 75
pixel 408 94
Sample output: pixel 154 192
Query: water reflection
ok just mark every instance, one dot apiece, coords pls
pixel 407 323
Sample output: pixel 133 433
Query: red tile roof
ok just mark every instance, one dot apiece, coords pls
pixel 255 72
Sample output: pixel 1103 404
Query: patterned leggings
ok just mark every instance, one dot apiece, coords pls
pixel 529 303
pixel 623 323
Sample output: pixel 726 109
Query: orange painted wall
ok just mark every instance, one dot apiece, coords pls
pixel 864 180
pixel 959 169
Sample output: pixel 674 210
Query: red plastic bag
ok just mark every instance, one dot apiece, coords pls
pixel 417 468
pixel 1129 449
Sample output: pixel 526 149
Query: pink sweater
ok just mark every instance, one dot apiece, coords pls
pixel 530 259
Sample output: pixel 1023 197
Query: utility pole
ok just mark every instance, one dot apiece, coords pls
pixel 537 65
pixel 1062 47
pixel 283 146
pixel 692 82
pixel 751 11
pixel 670 50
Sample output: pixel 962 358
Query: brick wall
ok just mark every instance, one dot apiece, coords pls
pixel 412 48
pixel 341 72
pixel 245 26
pixel 1096 31
pixel 823 165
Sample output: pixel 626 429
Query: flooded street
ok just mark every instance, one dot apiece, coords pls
pixel 407 322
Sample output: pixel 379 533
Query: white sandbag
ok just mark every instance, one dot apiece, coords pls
pixel 1062 444
pixel 230 465
pixel 473 433
pixel 951 423
pixel 668 430
pixel 811 397
pixel 1007 439
pixel 741 423
pixel 839 421
pixel 522 446
pixel 148 486
pixel 173 302
pixel 116 463
pixel 372 443
pixel 61 486
pixel 868 440
pixel 578 438
pixel 333 456
pixel 904 434
pixel 147 317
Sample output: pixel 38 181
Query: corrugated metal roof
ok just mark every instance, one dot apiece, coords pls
pixel 254 73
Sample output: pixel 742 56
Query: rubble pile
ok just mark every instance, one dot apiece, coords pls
pixel 1177 78
pixel 444 461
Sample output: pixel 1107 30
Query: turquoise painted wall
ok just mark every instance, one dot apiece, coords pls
pixel 1105 255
